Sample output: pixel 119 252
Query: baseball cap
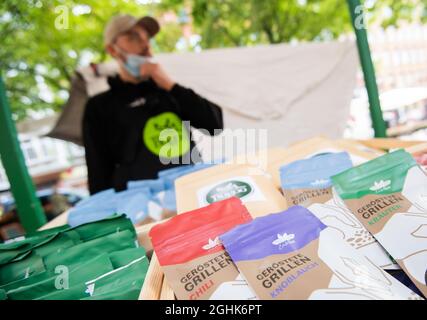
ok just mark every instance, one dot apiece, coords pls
pixel 150 24
pixel 121 23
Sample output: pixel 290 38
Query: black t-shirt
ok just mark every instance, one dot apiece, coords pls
pixel 133 131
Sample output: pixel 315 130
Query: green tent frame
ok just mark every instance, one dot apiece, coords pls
pixel 28 205
pixel 29 208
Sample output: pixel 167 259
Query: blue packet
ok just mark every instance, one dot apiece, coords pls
pixel 315 172
pixel 85 214
pixel 154 185
pixel 134 203
pixel 97 198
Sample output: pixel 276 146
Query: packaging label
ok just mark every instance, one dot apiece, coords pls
pixel 243 187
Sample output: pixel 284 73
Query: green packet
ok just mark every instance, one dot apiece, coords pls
pixel 388 195
pixel 112 224
pixel 48 232
pixel 27 265
pixel 12 251
pixel 129 291
pixel 30 263
pixel 48 245
pixel 118 259
pixel 64 279
pixel 31 240
pixel 47 240
pixel 122 283
pixel 27 281
pixel 58 241
pixel 76 292
pixel 87 250
pixel 124 257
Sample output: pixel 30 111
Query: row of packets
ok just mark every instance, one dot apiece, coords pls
pixel 218 252
pixel 143 202
pixel 99 260
pixel 351 229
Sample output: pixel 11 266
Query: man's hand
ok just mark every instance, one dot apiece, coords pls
pixel 159 76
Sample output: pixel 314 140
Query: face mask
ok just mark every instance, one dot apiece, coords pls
pixel 133 62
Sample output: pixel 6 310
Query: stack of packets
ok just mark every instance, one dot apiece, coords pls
pixel 220 252
pixel 143 202
pixel 345 232
pixel 95 261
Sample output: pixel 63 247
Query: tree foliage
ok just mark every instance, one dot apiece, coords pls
pixel 43 41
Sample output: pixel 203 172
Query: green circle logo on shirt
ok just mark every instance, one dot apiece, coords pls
pixel 165 136
pixel 227 190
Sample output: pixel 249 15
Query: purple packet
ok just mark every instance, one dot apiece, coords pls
pixel 293 255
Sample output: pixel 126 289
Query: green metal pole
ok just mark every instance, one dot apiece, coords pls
pixel 378 123
pixel 28 205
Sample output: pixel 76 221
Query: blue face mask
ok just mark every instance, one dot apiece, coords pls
pixel 133 64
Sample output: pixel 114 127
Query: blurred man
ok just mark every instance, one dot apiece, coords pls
pixel 133 129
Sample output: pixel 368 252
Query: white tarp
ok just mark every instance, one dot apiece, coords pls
pixel 294 91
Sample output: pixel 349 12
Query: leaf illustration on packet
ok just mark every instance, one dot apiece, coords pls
pixel 283 238
pixel 212 243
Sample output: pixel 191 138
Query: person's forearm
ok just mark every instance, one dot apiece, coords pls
pixel 202 113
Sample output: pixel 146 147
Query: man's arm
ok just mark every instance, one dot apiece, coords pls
pixel 201 113
pixel 99 165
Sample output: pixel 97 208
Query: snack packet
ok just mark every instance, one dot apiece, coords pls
pixel 251 184
pixel 293 255
pixel 308 183
pixel 193 260
pixel 317 146
pixel 389 197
